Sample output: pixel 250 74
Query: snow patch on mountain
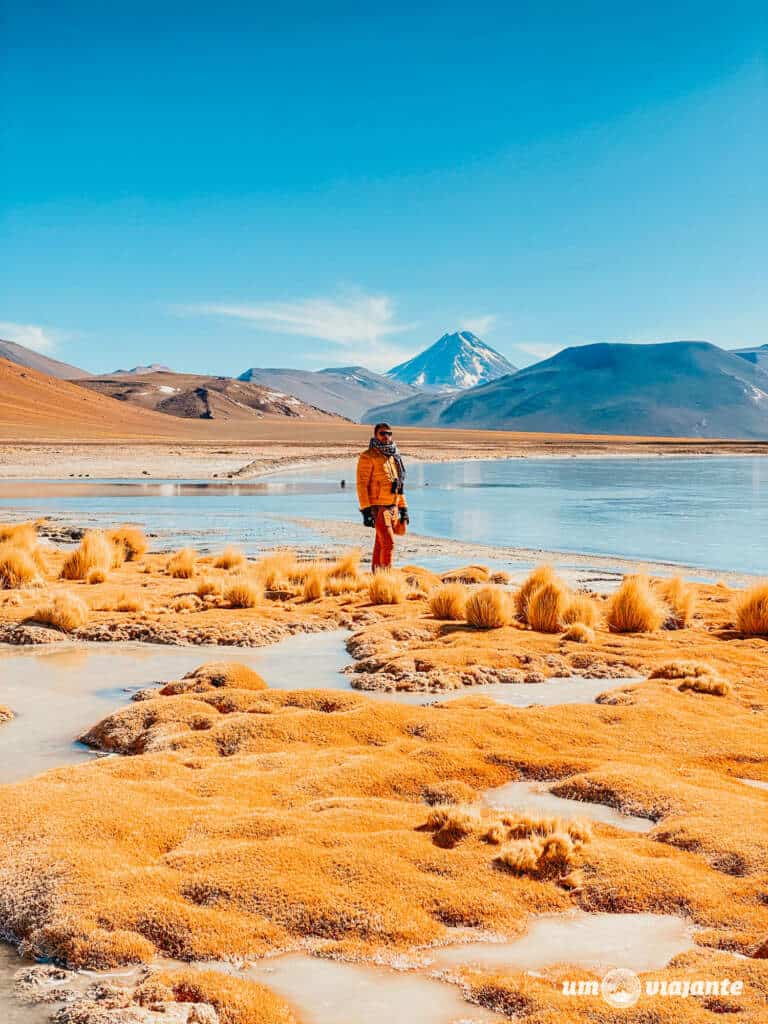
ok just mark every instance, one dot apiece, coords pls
pixel 455 362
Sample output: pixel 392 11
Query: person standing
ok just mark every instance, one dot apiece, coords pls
pixel 381 493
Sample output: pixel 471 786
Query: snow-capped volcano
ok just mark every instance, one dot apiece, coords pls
pixel 455 361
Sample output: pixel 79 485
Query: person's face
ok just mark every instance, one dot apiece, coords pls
pixel 385 436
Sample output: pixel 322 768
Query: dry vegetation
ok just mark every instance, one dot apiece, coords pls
pixel 95 553
pixel 635 608
pixel 243 592
pixel 449 601
pixel 752 611
pixel 230 558
pixel 488 608
pixel 182 565
pixel 386 586
pixel 130 542
pixel 64 611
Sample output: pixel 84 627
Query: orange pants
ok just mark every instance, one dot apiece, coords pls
pixel 384 545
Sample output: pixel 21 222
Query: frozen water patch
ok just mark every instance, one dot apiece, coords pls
pixel 535 796
pixel 757 783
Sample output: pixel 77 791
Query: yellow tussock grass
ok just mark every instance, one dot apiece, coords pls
pixel 635 608
pixel 467 574
pixel 541 575
pixel 186 603
pixel 131 540
pixel 336 585
pixel 314 582
pixel 752 610
pixel 230 558
pixel 130 603
pixel 581 608
pixel 215 674
pixel 680 598
pixel 546 607
pixel 540 857
pixel 18 567
pixel 578 633
pixel 386 587
pixel 234 1000
pixel 96 551
pixel 487 608
pixel 207 586
pixel 276 568
pixel 452 791
pixel 182 565
pixel 22 535
pixel 693 675
pixel 448 601
pixel 347 564
pixel 95 576
pixel 243 592
pixel 64 611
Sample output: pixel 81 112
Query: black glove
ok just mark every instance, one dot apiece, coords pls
pixel 404 517
pixel 369 517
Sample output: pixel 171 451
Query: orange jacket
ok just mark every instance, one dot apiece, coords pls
pixel 375 475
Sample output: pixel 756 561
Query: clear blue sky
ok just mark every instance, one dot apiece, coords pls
pixel 216 186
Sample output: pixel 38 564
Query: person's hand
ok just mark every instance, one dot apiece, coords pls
pixel 404 517
pixel 369 517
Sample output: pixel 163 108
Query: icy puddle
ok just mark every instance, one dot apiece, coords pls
pixel 757 783
pixel 572 690
pixel 639 942
pixel 58 693
pixel 525 796
pixel 330 992
pixel 11 1010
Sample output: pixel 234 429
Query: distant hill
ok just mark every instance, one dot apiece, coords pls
pixel 757 355
pixel 152 368
pixel 682 389
pixel 455 361
pixel 191 396
pixel 23 356
pixel 346 390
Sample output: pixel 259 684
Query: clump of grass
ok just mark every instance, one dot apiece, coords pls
pixel 96 551
pixel 500 577
pixel 182 565
pixel 693 675
pixel 18 567
pixel 578 633
pixel 130 540
pixel 452 823
pixel 581 608
pixel 541 575
pixel 546 607
pixel 130 603
pixel 64 611
pixel 346 565
pixel 386 587
pixel 186 603
pixel 712 684
pixel 20 535
pixel 487 608
pixel 95 576
pixel 635 608
pixel 314 583
pixel 336 585
pixel 467 574
pixel 539 857
pixel 230 558
pixel 206 586
pixel 276 568
pixel 752 610
pixel 680 598
pixel 243 592
pixel 448 601
pixel 452 791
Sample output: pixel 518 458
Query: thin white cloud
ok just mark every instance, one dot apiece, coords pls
pixel 359 319
pixel 41 339
pixel 479 325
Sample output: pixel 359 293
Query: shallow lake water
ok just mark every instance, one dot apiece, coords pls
pixel 640 942
pixel 709 511
pixel 534 796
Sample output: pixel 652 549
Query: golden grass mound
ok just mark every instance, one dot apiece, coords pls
pixel 487 608
pixel 752 611
pixel 680 599
pixel 467 574
pixel 449 601
pixel 95 576
pixel 18 567
pixel 243 592
pixel 347 564
pixel 234 1000
pixel 386 587
pixel 546 607
pixel 130 540
pixel 277 568
pixel 127 602
pixel 64 611
pixel 578 633
pixel 541 575
pixel 215 674
pixel 230 558
pixel 581 608
pixel 314 582
pixel 693 675
pixel 635 608
pixel 182 565
pixel 96 551
pixel 207 586
pixel 21 535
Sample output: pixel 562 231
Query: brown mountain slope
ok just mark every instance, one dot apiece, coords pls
pixel 28 357
pixel 192 396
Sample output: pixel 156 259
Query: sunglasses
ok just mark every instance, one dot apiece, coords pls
pixel 385 433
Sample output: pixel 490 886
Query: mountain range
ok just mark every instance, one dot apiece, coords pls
pixel 681 389
pixel 455 361
pixel 23 356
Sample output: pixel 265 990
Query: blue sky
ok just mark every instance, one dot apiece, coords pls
pixel 221 186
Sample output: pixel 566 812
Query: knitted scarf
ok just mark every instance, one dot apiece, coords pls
pixel 390 449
